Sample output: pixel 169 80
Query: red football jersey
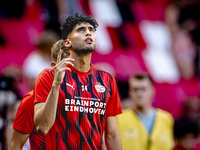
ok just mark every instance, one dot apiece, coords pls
pixel 24 122
pixel 85 100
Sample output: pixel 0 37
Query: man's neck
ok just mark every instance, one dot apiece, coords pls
pixel 144 110
pixel 82 61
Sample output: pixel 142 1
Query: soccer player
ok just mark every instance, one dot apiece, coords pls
pixel 78 101
pixel 144 127
pixel 23 126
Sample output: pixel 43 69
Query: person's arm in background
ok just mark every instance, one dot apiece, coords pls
pixel 18 140
pixel 112 134
pixel 23 123
pixel 45 112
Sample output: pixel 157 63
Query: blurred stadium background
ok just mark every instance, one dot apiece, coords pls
pixel 160 37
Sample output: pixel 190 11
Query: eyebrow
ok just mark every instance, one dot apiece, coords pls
pixel 90 27
pixel 80 28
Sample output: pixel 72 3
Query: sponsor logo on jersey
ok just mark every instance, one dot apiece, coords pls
pixel 86 105
pixel 72 86
pixel 100 88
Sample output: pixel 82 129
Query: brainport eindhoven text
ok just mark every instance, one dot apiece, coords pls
pixel 87 106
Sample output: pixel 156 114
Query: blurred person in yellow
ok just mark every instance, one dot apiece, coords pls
pixel 144 127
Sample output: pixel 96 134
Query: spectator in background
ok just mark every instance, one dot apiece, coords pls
pixel 185 133
pixel 183 48
pixel 68 7
pixel 126 103
pixel 184 23
pixel 40 58
pixel 144 127
pixel 191 108
pixel 14 72
pixel 10 115
pixel 56 11
pixel 8 99
pixel 2 132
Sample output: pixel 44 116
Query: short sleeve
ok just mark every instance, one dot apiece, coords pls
pixel 43 85
pixel 114 104
pixel 23 121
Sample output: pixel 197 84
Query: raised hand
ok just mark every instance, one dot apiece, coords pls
pixel 61 67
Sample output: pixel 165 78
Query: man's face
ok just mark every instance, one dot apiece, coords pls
pixel 141 92
pixel 83 38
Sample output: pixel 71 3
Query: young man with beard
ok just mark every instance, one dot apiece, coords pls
pixel 23 126
pixel 78 101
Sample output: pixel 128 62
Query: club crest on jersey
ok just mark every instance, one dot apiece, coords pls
pixel 100 88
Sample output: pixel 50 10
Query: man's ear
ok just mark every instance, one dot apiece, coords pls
pixel 67 43
pixel 53 64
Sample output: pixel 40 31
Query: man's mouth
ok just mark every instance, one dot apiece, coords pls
pixel 89 40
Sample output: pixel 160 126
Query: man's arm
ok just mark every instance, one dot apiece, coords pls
pixel 45 113
pixel 18 140
pixel 112 134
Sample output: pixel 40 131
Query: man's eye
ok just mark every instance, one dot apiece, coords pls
pixel 80 30
pixel 91 29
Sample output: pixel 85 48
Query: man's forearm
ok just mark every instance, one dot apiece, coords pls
pixel 16 147
pixel 112 134
pixel 113 142
pixel 18 140
pixel 45 115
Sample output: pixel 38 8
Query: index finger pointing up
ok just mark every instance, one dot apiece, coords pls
pixel 59 56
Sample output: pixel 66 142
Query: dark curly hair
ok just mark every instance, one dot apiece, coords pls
pixel 185 125
pixel 75 19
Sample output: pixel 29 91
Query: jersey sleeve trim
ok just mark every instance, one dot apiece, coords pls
pixel 43 85
pixel 21 129
pixel 114 113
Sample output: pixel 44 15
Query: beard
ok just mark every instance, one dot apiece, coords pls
pixel 84 50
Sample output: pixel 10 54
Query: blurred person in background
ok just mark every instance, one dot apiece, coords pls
pixel 184 23
pixel 2 131
pixel 54 12
pixel 8 99
pixel 185 133
pixel 126 103
pixel 19 83
pixel 191 108
pixel 23 126
pixel 10 115
pixel 68 7
pixel 183 48
pixel 40 58
pixel 144 127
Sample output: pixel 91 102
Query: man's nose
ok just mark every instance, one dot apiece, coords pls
pixel 140 92
pixel 88 33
